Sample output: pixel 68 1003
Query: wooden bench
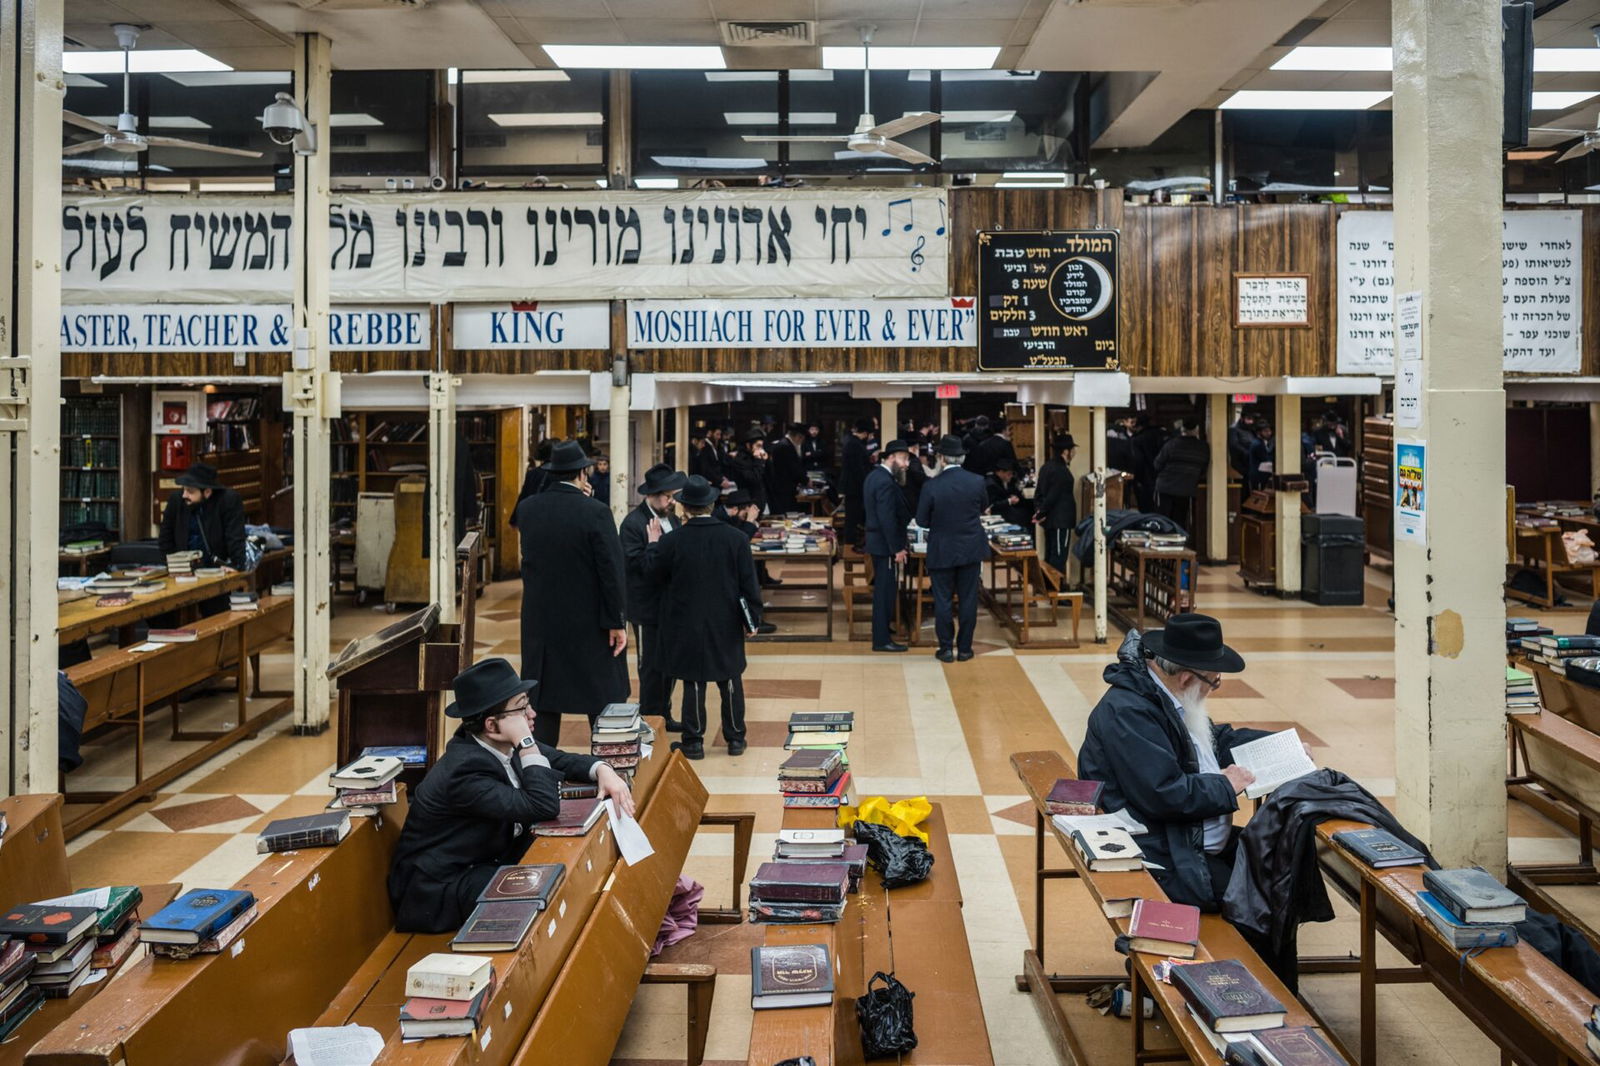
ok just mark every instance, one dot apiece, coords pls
pixel 1563 760
pixel 79 618
pixel 322 910
pixel 122 685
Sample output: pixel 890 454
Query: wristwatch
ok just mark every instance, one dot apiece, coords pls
pixel 526 742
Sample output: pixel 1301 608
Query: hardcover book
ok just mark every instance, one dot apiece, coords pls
pixel 368 797
pixel 810 784
pixel 445 976
pixel 834 797
pixel 172 636
pixel 798 975
pixel 1071 796
pixel 797 842
pixel 114 599
pixel 1163 928
pixel 810 762
pixel 109 953
pixel 1464 936
pixel 498 926
pixel 1297 1046
pixel 1108 850
pixel 536 882
pixel 1378 848
pixel 1473 895
pixel 309 831
pixel 1227 997
pixel 617 712
pixel 837 738
pixel 16 962
pixel 20 1011
pixel 822 721
pixel 608 748
pixel 47 927
pixel 51 988
pixel 66 965
pixel 215 944
pixel 577 817
pixel 777 912
pixel 1583 643
pixel 369 771
pixel 195 916
pixel 811 882
pixel 424 1016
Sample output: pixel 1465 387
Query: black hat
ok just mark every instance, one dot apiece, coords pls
pixel 698 492
pixel 661 478
pixel 1194 641
pixel 980 423
pixel 1004 464
pixel 567 457
pixel 895 446
pixel 951 447
pixel 199 476
pixel 753 434
pixel 864 425
pixel 738 498
pixel 796 429
pixel 485 687
pixel 1065 443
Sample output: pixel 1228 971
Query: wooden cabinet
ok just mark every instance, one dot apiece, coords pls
pixel 1258 540
pixel 1376 490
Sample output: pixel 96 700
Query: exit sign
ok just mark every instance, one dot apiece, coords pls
pixel 947 392
pixel 1244 397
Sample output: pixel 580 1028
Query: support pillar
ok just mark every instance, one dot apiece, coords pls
pixel 888 420
pixel 311 393
pixel 1080 423
pixel 1097 448
pixel 1286 460
pixel 617 445
pixel 655 437
pixel 681 453
pixel 31 91
pixel 1217 473
pixel 441 493
pixel 944 418
pixel 1449 616
pixel 1594 449
pixel 797 407
pixel 1038 462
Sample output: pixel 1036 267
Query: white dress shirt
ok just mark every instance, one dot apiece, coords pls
pixel 1216 829
pixel 530 757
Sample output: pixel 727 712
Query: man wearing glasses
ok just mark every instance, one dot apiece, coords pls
pixel 475 810
pixel 1162 759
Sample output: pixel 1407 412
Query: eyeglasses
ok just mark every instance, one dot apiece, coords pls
pixel 524 707
pixel 1213 683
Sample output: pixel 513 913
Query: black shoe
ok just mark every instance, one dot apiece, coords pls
pixel 945 655
pixel 771 582
pixel 674 726
pixel 690 751
pixel 765 628
pixel 963 656
pixel 736 747
pixel 891 646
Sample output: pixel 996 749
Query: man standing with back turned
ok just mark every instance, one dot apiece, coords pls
pixel 949 509
pixel 886 514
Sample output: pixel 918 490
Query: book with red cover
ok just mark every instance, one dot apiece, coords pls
pixel 1227 997
pixel 807 882
pixel 536 881
pixel 1297 1046
pixel 50 927
pixel 1073 797
pixel 1163 928
pixel 810 762
pixel 16 962
pixel 787 783
pixel 577 817
pixel 838 794
pixel 422 1016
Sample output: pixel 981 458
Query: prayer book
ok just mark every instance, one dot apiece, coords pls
pixel 1275 759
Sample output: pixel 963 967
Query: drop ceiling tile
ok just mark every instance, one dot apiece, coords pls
pixel 764 10
pixel 947 33
pixel 573 31
pixel 670 31
pixel 513 30
pixel 98 13
pixel 552 9
pixel 891 33
pixel 864 9
pixel 208 35
pixel 495 9
pixel 671 10
pixel 1576 35
pixel 156 12
pixel 972 9
pixel 1368 32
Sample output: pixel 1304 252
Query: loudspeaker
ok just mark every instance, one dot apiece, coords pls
pixel 1516 61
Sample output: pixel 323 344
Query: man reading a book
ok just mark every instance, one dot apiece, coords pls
pixel 476 808
pixel 1165 762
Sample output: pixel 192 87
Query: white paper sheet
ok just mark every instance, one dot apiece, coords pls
pixel 1087 823
pixel 1275 759
pixel 95 897
pixel 342 1045
pixel 149 645
pixel 631 841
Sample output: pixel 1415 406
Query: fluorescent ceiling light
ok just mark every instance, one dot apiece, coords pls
pixel 1317 57
pixel 158 61
pixel 1031 175
pixel 215 79
pixel 637 56
pixel 699 162
pixel 1530 154
pixel 972 118
pixel 354 120
pixel 165 122
pixel 741 75
pixel 522 119
pixel 1560 101
pixel 973 75
pixel 770 118
pixel 1030 185
pixel 511 77
pixel 763 383
pixel 962 58
pixel 1561 60
pixel 1304 100
pixel 656 183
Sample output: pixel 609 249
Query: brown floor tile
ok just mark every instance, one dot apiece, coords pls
pixel 283 763
pixel 182 816
pixel 1306 735
pixel 1366 688
pixel 964 814
pixel 1000 713
pixel 1234 689
pixel 293 807
pixel 761 734
pixel 131 858
pixel 771 688
pixel 727 947
pixel 1021 813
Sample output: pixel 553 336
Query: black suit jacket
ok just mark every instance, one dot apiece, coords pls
pixel 949 510
pixel 786 473
pixel 856 463
pixel 886 513
pixel 644 593
pixel 1053 496
pixel 705 568
pixel 707 462
pixel 466 813
pixel 221 527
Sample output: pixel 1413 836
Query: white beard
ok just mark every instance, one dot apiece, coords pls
pixel 1193 701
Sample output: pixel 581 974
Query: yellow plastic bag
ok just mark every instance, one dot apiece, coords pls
pixel 903 816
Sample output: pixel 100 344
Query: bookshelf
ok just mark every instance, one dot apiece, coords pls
pixel 91 462
pixel 1377 485
pixel 241 439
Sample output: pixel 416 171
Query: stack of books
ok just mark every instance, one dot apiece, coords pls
pixel 82 547
pixel 309 831
pixel 787 893
pixel 1073 798
pixel 1591 1031
pixel 1160 927
pixel 59 938
pixel 369 784
pixel 1522 696
pixel 508 906
pixel 1014 540
pixel 1291 1045
pixel 820 729
pixel 448 994
pixel 18 997
pixel 618 737
pixel 790 975
pixel 814 777
pixel 172 636
pixel 1521 629
pixel 182 563
pixel 203 921
pixel 1226 1001
pixel 1470 909
pixel 116 927
pixel 243 600
pixel 822 845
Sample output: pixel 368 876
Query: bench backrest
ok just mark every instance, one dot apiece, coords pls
pixel 33 860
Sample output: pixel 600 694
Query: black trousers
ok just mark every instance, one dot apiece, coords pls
pixel 1056 544
pixel 1177 508
pixel 884 587
pixel 655 687
pixel 694 710
pixel 547 727
pixel 854 519
pixel 962 581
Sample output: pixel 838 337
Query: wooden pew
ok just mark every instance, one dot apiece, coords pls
pixel 322 912
pixel 1519 999
pixel 79 618
pixel 1564 698
pixel 1563 759
pixel 33 858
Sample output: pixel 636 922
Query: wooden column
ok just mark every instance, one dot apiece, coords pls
pixel 1216 516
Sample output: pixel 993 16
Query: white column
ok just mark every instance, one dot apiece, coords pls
pixel 1286 460
pixel 888 420
pixel 441 493
pixel 31 90
pixel 797 407
pixel 655 437
pixel 944 418
pixel 680 438
pixel 311 394
pixel 1217 474
pixel 1039 442
pixel 1097 448
pixel 1450 620
pixel 617 448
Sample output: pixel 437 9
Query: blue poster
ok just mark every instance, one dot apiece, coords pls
pixel 1410 490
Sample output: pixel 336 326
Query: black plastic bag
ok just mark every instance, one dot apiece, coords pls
pixel 901 860
pixel 803 1060
pixel 885 1017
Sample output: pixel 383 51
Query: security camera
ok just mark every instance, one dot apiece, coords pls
pixel 286 124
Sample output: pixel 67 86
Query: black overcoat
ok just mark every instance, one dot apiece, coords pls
pixel 705 567
pixel 1053 495
pixel 950 509
pixel 644 594
pixel 886 513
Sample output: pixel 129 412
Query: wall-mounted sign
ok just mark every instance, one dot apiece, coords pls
pixel 1244 397
pixel 1541 264
pixel 947 392
pixel 236 328
pixel 450 247
pixel 948 322
pixel 532 326
pixel 1048 300
pixel 1264 300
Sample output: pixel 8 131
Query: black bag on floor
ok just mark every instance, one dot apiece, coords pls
pixel 885 1017
pixel 901 860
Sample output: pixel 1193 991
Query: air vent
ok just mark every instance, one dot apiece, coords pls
pixel 483 140
pixel 348 139
pixel 786 34
pixel 360 5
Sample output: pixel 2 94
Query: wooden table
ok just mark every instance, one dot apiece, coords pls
pixel 1563 759
pixel 1011 598
pixel 1541 549
pixel 85 563
pixel 80 618
pixel 1158 584
pixel 822 553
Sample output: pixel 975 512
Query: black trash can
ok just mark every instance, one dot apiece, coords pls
pixel 1332 547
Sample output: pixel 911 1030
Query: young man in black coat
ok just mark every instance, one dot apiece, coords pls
pixel 1179 466
pixel 573 598
pixel 950 510
pixel 854 466
pixel 886 514
pixel 475 810
pixel 206 516
pixel 706 569
pixel 786 471
pixel 1055 503
pixel 644 594
pixel 1005 495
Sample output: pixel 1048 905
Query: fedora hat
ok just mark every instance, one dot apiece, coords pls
pixel 199 476
pixel 1065 443
pixel 698 492
pixel 485 687
pixel 661 478
pixel 738 498
pixel 895 446
pixel 950 446
pixel 568 456
pixel 1194 641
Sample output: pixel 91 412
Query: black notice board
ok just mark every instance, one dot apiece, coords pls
pixel 1048 300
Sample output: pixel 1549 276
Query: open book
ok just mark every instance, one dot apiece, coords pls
pixel 1275 759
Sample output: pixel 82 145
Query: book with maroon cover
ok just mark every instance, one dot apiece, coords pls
pixel 109 953
pixel 577 817
pixel 810 762
pixel 16 962
pixel 854 857
pixel 172 636
pixel 47 927
pixel 836 796
pixel 801 882
pixel 114 599
pixel 790 975
pixel 422 1016
pixel 1163 928
pixel 1227 997
pixel 1073 797
pixel 536 881
pixel 496 926
pixel 1297 1046
pixel 811 784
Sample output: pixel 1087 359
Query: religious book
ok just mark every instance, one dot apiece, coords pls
pixel 1220 1041
pixel 20 1010
pixel 61 986
pixel 838 738
pixel 497 926
pixel 1244 1053
pixel 798 842
pixel 1296 1046
pixel 822 721
pixel 11 994
pixel 62 969
pixel 194 916
pixel 1227 996
pixel 114 599
pixel 810 763
pixel 408 754
pixel 821 882
pixel 1071 796
pixel 1162 928
pixel 790 975
pixel 577 790
pixel 1275 759
pixel 112 584
pixel 1465 936
pixel 1118 908
pixel 369 771
pixel 368 797
pixel 836 796
pixel 108 954
pixel 445 976
pixel 1108 850
pixel 1378 848
pixel 853 856
pixel 810 784
pixel 615 715
pixel 426 1016
pixel 308 831
pixel 1473 895
pixel 535 882
pixel 215 944
pixel 172 636
pixel 243 601
pixel 615 749
pixel 1570 643
pixel 16 962
pixel 47 926
pixel 577 817
pixel 781 912
pixel 1591 1038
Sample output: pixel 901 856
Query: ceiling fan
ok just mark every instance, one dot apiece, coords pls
pixel 869 137
pixel 125 136
pixel 1590 141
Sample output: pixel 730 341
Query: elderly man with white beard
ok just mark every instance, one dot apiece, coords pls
pixel 1163 760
